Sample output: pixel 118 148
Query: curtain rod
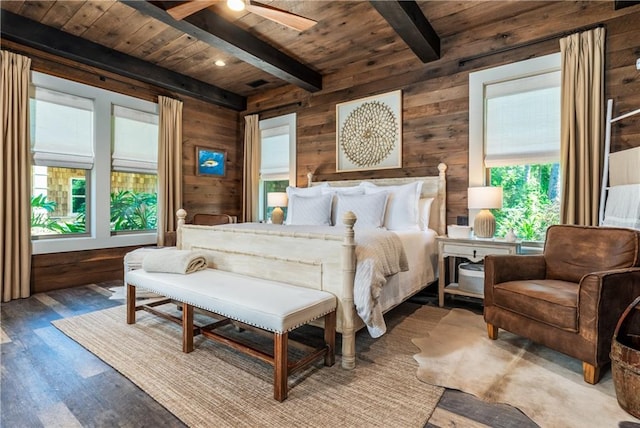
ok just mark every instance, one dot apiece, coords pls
pixel 296 104
pixel 463 61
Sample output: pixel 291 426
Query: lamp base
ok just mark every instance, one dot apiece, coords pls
pixel 484 226
pixel 277 215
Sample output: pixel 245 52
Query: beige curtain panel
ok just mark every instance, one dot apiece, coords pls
pixel 169 169
pixel 15 183
pixel 582 126
pixel 251 168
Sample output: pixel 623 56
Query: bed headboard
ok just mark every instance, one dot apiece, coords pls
pixel 432 187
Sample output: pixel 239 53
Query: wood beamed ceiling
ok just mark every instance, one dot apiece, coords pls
pixel 221 34
pixel 178 54
pixel 33 34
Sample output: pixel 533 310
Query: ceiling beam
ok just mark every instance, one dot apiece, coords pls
pixel 407 19
pixel 621 4
pixel 214 30
pixel 33 34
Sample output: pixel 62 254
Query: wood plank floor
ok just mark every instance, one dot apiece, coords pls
pixel 48 380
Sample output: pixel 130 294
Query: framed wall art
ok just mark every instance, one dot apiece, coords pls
pixel 211 162
pixel 369 133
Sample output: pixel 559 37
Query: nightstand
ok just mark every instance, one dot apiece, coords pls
pixel 474 249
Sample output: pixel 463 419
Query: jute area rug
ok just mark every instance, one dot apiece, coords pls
pixel 215 386
pixel 545 385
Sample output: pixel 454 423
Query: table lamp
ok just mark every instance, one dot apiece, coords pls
pixel 277 200
pixel 484 198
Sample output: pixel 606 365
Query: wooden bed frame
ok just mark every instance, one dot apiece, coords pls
pixel 313 260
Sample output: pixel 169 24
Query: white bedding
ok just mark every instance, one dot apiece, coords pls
pixel 422 255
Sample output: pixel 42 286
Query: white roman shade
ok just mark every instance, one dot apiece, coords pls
pixel 274 153
pixel 61 143
pixel 522 123
pixel 135 141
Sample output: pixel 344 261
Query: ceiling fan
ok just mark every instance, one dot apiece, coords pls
pixel 289 19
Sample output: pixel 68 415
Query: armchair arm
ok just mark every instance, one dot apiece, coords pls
pixel 513 267
pixel 603 298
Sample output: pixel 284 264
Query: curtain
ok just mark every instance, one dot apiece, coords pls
pixel 169 169
pixel 582 126
pixel 15 183
pixel 251 168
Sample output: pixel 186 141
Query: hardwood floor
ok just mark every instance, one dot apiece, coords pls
pixel 48 380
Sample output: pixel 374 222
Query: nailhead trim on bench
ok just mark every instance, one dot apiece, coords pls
pixel 198 305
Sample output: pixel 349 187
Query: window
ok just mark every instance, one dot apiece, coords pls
pixel 277 159
pixel 134 167
pixel 62 145
pixel 75 130
pixel 514 142
pixel 77 195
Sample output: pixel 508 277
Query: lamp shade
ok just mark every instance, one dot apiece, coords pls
pixel 485 197
pixel 277 199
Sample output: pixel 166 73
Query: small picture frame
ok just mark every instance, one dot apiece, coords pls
pixel 211 162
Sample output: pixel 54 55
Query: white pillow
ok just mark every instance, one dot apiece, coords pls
pixel 402 209
pixel 310 210
pixel 302 191
pixel 352 190
pixel 424 208
pixel 369 209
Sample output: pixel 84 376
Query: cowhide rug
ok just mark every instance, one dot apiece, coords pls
pixel 545 385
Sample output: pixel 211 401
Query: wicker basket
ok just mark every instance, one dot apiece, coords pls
pixel 625 359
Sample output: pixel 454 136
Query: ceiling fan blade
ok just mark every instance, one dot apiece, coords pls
pixel 288 19
pixel 182 10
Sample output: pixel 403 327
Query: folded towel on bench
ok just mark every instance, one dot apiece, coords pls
pixel 174 261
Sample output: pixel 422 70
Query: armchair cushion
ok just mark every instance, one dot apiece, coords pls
pixel 549 301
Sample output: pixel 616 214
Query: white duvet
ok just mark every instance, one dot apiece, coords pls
pixel 379 254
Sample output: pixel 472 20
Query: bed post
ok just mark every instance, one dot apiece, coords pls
pixel 442 199
pixel 182 215
pixel 348 278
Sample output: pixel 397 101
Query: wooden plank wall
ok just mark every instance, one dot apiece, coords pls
pixel 435 95
pixel 435 111
pixel 203 125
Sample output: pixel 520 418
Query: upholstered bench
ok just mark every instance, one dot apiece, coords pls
pixel 267 305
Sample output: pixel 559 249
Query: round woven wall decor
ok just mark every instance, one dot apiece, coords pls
pixel 369 133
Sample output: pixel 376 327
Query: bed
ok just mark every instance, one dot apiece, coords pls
pixel 335 257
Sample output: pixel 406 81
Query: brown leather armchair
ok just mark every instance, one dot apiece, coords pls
pixel 570 297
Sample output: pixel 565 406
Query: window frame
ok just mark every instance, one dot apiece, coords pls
pixel 98 185
pixel 72 196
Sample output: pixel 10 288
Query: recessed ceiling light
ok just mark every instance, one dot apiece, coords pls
pixel 220 63
pixel 236 5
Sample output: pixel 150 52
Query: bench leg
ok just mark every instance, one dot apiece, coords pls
pixel 330 338
pixel 187 328
pixel 131 304
pixel 280 366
